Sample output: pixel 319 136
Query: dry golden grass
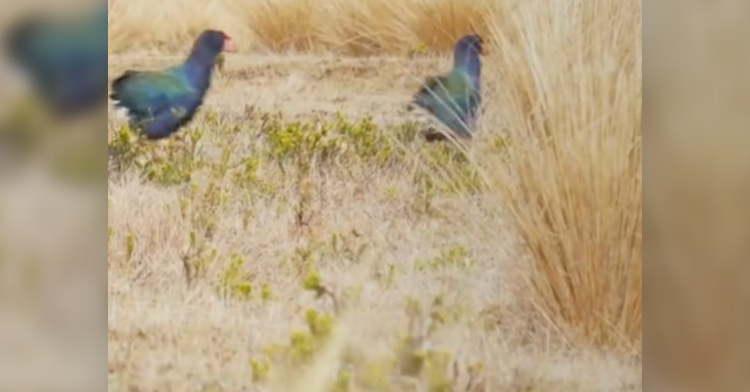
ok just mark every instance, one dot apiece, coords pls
pixel 545 276
pixel 573 182
pixel 348 26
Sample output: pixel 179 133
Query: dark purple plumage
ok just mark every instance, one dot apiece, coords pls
pixel 65 59
pixel 160 103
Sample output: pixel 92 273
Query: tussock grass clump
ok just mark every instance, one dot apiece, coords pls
pixel 356 27
pixel 572 179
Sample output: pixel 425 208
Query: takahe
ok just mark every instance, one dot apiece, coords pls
pixel 160 103
pixel 66 60
pixel 454 98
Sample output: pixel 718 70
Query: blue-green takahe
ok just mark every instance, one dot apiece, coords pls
pixel 66 60
pixel 455 98
pixel 159 103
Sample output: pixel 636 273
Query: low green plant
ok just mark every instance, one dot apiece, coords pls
pixel 455 256
pixel 259 156
pixel 233 283
pixel 411 366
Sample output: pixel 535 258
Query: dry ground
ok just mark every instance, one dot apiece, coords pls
pixel 303 86
pixel 163 335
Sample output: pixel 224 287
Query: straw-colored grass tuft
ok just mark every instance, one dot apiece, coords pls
pixel 572 180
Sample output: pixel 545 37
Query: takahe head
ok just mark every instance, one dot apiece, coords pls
pixel 471 42
pixel 19 39
pixel 466 55
pixel 209 45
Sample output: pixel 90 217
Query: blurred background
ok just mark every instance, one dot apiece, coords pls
pixel 697 176
pixel 52 206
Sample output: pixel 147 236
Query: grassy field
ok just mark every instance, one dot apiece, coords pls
pixel 299 236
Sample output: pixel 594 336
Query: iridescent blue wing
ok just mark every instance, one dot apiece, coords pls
pixel 453 100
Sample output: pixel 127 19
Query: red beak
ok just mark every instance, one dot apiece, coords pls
pixel 229 45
